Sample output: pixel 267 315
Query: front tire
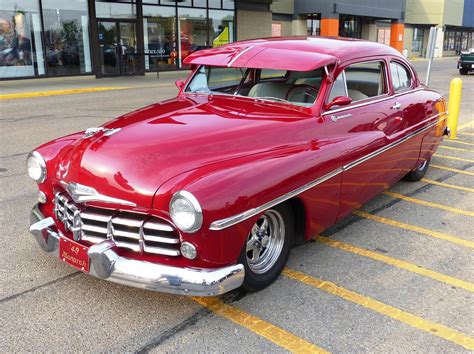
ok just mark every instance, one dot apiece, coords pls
pixel 463 71
pixel 419 172
pixel 267 247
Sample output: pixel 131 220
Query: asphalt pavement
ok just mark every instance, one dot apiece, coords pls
pixel 396 276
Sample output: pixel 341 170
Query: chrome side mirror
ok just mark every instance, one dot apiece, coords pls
pixel 339 101
pixel 179 84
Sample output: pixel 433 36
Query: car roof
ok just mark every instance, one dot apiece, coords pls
pixel 299 53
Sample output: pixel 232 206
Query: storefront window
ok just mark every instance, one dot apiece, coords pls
pixel 221 25
pixel 159 25
pixel 215 4
pixel 350 26
pixel 228 4
pixel 192 32
pixel 115 10
pixel 20 39
pixel 417 42
pixel 313 25
pixel 66 33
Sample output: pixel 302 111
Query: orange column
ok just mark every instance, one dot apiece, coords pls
pixel 397 33
pixel 329 27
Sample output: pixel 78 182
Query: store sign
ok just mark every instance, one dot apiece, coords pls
pixel 276 29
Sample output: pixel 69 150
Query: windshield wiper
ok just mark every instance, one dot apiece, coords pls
pixel 270 98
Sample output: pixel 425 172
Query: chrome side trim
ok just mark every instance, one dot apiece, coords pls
pixel 362 104
pixel 232 220
pixel 224 223
pixel 389 146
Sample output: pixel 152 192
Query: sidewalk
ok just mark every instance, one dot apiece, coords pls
pixel 79 84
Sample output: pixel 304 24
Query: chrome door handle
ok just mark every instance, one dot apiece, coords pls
pixel 397 105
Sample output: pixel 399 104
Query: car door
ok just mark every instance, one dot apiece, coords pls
pixel 362 131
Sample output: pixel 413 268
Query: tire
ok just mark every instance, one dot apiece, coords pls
pixel 463 71
pixel 418 173
pixel 267 247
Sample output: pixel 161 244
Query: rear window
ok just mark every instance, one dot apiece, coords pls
pixel 271 74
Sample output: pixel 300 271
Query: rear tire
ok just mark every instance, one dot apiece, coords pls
pixel 267 247
pixel 463 71
pixel 419 172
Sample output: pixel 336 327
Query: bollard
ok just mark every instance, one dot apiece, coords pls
pixel 453 106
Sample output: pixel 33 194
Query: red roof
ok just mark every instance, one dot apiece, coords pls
pixel 288 53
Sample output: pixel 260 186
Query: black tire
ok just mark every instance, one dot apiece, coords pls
pixel 463 71
pixel 419 172
pixel 258 278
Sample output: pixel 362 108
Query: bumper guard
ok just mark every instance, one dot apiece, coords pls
pixel 106 264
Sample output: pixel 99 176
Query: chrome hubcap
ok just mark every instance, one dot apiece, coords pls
pixel 265 242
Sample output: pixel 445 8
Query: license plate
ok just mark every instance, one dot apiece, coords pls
pixel 74 254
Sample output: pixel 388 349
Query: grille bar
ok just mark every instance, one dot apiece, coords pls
pixel 134 231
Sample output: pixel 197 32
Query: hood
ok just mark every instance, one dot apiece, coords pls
pixel 166 139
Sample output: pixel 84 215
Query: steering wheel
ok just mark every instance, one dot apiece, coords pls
pixel 308 91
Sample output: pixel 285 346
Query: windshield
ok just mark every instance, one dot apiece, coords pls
pixel 294 87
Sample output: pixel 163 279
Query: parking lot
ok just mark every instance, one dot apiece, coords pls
pixel 396 276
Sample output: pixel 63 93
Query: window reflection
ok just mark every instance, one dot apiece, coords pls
pixel 20 37
pixel 66 27
pixel 221 25
pixel 192 32
pixel 159 37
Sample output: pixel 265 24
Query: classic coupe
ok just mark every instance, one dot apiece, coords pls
pixel 267 143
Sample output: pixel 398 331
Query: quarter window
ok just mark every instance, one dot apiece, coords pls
pixel 401 78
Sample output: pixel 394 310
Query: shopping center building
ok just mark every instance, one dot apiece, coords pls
pixel 49 38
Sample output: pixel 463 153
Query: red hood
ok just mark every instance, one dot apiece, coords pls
pixel 165 139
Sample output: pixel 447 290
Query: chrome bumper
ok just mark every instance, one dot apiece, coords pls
pixel 106 264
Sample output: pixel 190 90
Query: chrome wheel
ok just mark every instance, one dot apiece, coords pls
pixel 265 242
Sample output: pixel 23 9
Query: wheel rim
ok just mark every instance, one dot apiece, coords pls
pixel 423 165
pixel 265 242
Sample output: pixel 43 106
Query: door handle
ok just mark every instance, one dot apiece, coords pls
pixel 397 105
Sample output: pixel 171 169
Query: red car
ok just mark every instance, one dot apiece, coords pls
pixel 268 143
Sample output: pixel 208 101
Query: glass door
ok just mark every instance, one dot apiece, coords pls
pixel 118 48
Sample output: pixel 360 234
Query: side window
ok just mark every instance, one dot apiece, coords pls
pixel 365 80
pixel 272 74
pixel 338 87
pixel 401 78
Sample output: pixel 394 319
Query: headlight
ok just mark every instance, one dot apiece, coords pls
pixel 36 166
pixel 186 212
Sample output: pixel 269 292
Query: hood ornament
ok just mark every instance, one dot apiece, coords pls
pixel 81 193
pixel 93 131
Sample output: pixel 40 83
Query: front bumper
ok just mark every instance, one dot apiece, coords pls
pixel 106 264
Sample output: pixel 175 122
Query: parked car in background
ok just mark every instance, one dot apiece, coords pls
pixel 466 62
pixel 268 143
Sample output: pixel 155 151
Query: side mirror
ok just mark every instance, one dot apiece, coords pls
pixel 339 101
pixel 179 84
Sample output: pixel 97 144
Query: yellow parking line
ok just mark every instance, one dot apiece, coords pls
pixel 59 92
pixel 433 328
pixel 454 148
pixel 274 334
pixel 452 170
pixel 448 185
pixel 453 158
pixel 429 204
pixel 398 263
pixel 457 141
pixel 421 230
pixel 469 124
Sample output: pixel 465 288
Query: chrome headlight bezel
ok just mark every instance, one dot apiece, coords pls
pixel 41 164
pixel 191 200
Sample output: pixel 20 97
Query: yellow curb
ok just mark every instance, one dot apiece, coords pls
pixel 59 92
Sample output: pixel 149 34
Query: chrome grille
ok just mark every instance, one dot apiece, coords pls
pixel 135 231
